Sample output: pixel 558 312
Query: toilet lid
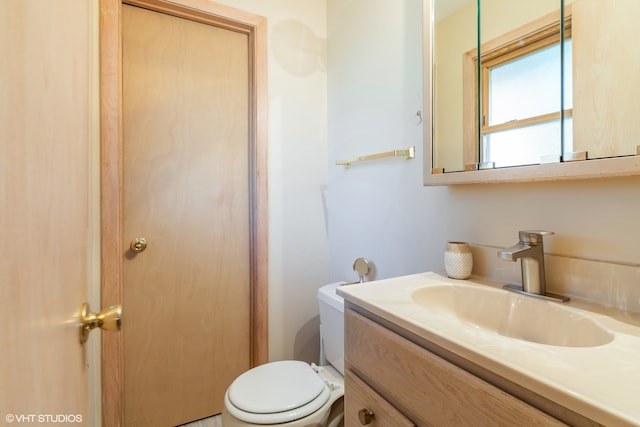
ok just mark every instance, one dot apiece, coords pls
pixel 285 387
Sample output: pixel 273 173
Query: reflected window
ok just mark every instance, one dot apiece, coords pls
pixel 521 120
pixel 520 105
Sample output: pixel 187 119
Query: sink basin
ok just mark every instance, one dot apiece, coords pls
pixel 513 315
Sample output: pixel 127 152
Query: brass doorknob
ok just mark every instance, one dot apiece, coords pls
pixel 108 319
pixel 365 416
pixel 138 244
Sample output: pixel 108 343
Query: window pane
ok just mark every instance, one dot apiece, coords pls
pixel 526 87
pixel 522 146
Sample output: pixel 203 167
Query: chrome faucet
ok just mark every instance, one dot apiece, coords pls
pixel 530 251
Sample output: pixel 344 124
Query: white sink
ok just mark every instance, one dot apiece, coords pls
pixel 513 315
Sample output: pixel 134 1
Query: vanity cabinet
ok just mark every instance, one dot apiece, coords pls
pixel 392 381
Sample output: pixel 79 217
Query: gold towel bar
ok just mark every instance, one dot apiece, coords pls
pixel 407 153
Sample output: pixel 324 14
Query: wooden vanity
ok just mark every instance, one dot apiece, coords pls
pixel 395 378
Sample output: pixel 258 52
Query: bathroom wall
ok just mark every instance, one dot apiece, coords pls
pixel 345 79
pixel 297 175
pixel 380 210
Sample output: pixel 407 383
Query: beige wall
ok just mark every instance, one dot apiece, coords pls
pixel 297 171
pixel 453 36
pixel 378 209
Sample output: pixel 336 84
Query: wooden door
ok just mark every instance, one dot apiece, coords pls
pixel 45 141
pixel 186 191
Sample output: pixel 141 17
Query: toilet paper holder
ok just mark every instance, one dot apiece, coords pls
pixel 362 268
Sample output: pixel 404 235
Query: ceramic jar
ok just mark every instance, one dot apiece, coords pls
pixel 458 260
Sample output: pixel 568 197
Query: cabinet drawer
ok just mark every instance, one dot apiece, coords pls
pixel 427 388
pixel 363 398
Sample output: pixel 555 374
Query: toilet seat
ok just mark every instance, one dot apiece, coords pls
pixel 276 392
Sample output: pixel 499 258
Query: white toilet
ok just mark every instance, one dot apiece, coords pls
pixel 293 393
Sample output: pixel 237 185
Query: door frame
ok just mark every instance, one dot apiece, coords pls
pixel 112 246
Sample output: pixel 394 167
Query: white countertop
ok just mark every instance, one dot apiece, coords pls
pixel 602 383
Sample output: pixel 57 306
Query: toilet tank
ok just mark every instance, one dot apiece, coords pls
pixel 331 326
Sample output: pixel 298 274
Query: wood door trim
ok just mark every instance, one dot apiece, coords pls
pixel 255 28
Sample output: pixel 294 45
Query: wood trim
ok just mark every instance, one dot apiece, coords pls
pixel 111 205
pixel 204 11
pixel 470 151
pixel 525 41
pixel 521 123
pixel 255 27
pixel 259 136
pixel 532 32
pixel 586 169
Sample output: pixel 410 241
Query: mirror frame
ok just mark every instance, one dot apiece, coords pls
pixel 581 169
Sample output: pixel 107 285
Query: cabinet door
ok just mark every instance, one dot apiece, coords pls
pixel 363 406
pixel 430 390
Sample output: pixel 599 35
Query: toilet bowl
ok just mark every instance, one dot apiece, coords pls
pixel 294 393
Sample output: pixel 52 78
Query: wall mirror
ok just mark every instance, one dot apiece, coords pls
pixel 522 90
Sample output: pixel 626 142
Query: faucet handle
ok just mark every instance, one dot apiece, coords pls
pixel 533 236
